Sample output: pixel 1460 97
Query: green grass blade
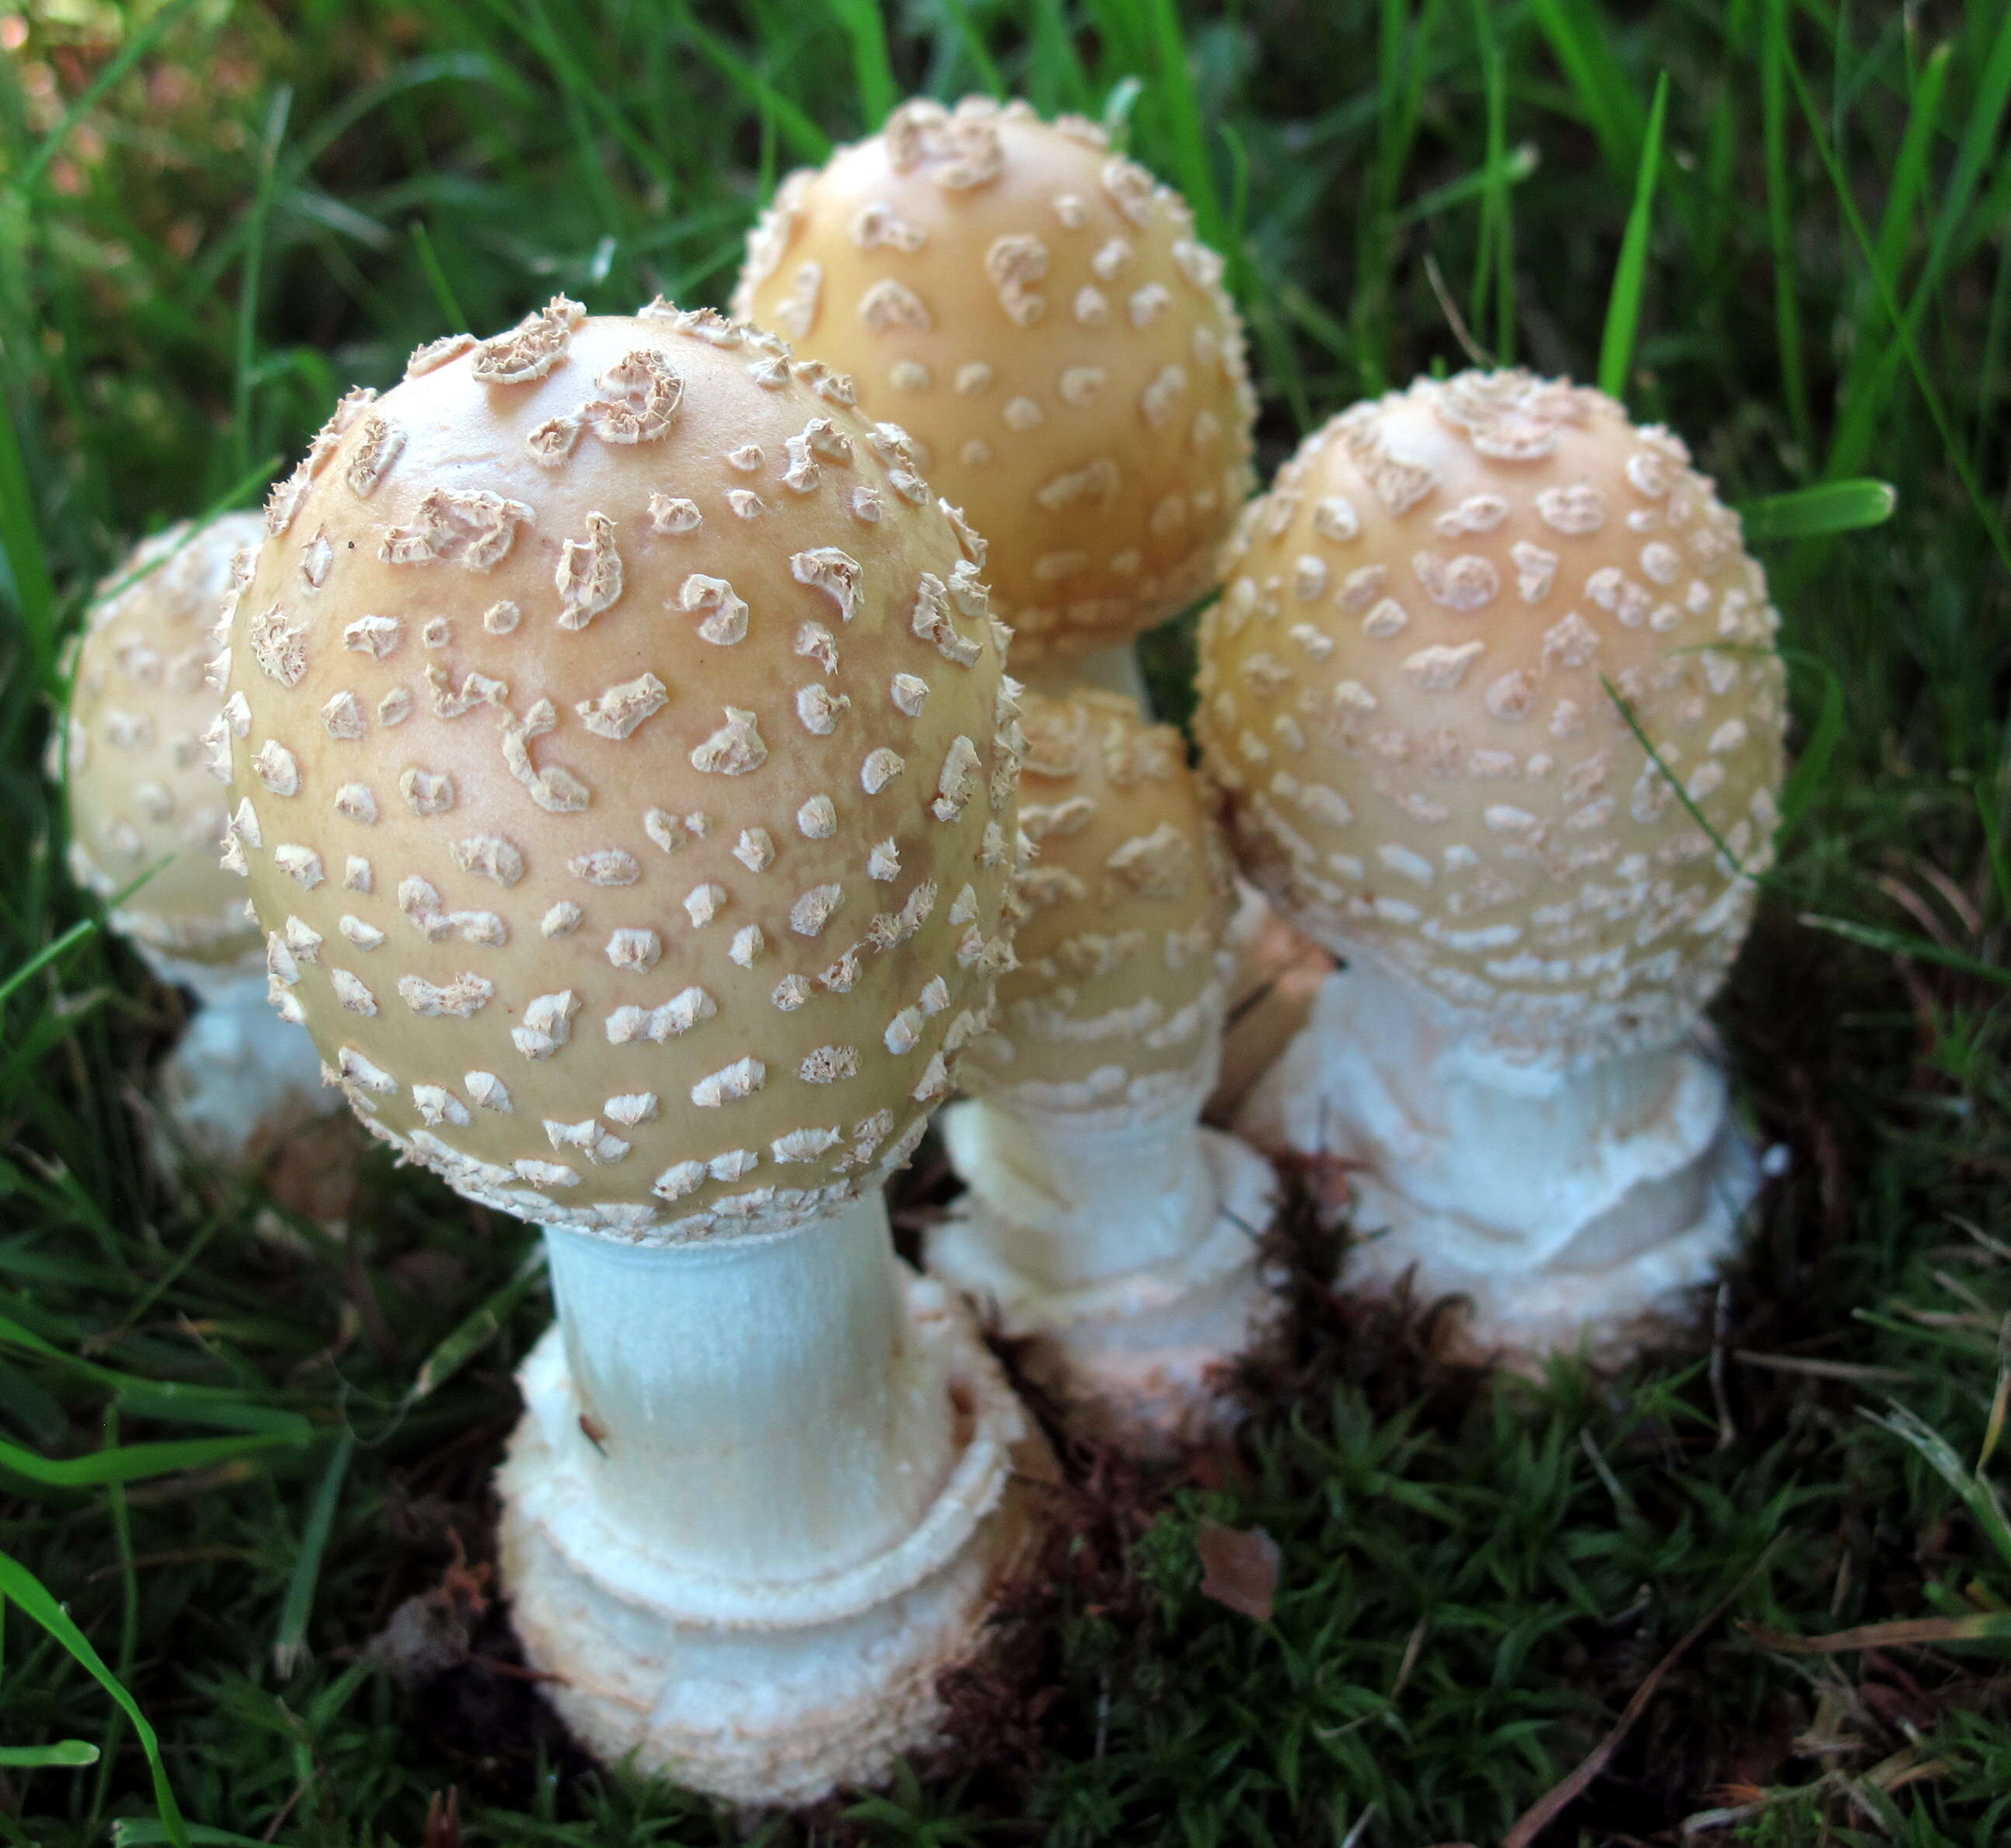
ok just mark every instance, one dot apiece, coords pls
pixel 1978 1494
pixel 21 540
pixel 1805 782
pixel 48 953
pixel 1497 206
pixel 872 67
pixel 1979 148
pixel 807 142
pixel 139 1831
pixel 61 1754
pixel 1897 943
pixel 1901 324
pixel 475 1331
pixel 20 1585
pixel 1775 53
pixel 989 75
pixel 1596 77
pixel 1828 507
pixel 290 1647
pixel 161 1398
pixel 253 269
pixel 1623 306
pixel 1055 78
pixel 1180 105
pixel 1909 171
pixel 134 1462
pixel 1625 707
pixel 436 276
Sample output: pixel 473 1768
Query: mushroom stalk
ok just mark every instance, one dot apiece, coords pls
pixel 1075 1201
pixel 1112 669
pixel 238 1077
pixel 1570 1205
pixel 759 1407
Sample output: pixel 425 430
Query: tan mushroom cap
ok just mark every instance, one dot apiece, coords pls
pixel 1116 1003
pixel 1037 313
pixel 140 703
pixel 623 764
pixel 1405 692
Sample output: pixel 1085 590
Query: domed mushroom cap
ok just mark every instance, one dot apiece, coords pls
pixel 1116 1001
pixel 613 728
pixel 1036 312
pixel 1405 694
pixel 140 703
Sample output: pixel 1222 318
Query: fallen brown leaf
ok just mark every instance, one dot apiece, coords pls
pixel 1239 1568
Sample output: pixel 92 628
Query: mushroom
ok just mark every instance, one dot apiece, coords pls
pixel 1452 628
pixel 616 729
pixel 139 804
pixel 1103 1224
pixel 1037 313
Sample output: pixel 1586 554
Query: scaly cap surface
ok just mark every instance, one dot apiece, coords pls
pixel 1036 312
pixel 141 702
pixel 615 732
pixel 1404 694
pixel 1116 1004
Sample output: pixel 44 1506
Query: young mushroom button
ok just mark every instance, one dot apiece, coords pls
pixel 1493 698
pixel 639 758
pixel 145 815
pixel 1036 312
pixel 1104 1224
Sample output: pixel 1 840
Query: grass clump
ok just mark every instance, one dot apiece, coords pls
pixel 243 1464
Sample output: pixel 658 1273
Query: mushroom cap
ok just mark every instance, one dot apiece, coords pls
pixel 1405 698
pixel 1116 1004
pixel 139 703
pixel 622 757
pixel 1035 310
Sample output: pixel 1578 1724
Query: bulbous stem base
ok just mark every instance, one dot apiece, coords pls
pixel 1125 1256
pixel 1574 1209
pixel 732 1668
pixel 240 1077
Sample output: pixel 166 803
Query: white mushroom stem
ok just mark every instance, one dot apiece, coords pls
pixel 1112 669
pixel 758 1503
pixel 1572 1206
pixel 1122 1247
pixel 761 1406
pixel 240 1076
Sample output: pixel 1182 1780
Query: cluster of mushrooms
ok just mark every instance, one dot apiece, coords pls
pixel 643 832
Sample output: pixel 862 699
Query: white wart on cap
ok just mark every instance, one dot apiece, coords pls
pixel 139 706
pixel 614 733
pixel 1115 1006
pixel 1412 693
pixel 1037 311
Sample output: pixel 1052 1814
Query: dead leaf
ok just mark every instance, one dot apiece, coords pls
pixel 1239 1568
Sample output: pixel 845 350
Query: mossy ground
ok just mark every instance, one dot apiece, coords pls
pixel 213 218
